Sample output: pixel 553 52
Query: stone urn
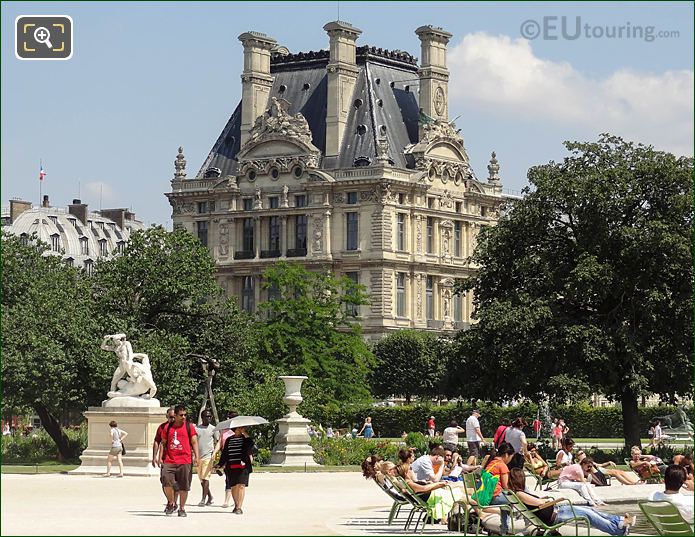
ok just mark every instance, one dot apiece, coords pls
pixel 293 392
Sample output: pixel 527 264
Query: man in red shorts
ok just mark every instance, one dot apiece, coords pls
pixel 178 452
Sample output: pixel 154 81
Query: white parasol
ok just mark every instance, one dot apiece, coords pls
pixel 241 421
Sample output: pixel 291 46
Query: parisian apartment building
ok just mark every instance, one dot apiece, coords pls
pixel 344 159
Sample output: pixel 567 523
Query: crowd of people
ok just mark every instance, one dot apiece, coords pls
pixel 512 458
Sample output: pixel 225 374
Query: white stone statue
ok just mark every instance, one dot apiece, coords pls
pixel 131 378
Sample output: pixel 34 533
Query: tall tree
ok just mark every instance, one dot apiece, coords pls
pixel 50 337
pixel 409 362
pixel 310 329
pixel 587 282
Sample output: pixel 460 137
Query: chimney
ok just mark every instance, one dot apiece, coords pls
pixel 45 202
pixel 342 76
pixel 255 80
pixel 17 207
pixel 78 209
pixel 116 215
pixel 434 76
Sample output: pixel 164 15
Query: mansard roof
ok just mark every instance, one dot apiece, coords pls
pixel 385 104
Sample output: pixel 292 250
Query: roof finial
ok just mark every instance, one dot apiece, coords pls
pixel 382 151
pixel 180 166
pixel 493 170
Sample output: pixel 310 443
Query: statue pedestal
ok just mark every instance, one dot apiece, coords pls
pixel 292 443
pixel 141 425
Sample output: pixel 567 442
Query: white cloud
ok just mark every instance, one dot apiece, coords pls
pixel 503 76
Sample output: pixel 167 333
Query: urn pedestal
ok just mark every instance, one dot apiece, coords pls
pixel 141 425
pixel 291 446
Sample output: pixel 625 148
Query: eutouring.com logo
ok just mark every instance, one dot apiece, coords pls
pixel 552 28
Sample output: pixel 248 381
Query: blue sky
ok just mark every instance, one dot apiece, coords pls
pixel 148 77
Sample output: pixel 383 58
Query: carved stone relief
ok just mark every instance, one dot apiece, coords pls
pixel 224 239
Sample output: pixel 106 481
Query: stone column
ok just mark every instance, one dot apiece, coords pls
pixel 342 76
pixel 255 79
pixel 257 236
pixel 433 74
pixel 327 233
pixel 283 236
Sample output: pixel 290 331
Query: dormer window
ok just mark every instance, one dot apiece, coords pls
pixel 84 246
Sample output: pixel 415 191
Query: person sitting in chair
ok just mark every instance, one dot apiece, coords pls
pixel 674 477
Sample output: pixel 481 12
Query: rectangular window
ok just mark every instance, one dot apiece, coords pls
pixel 353 309
pixel 400 231
pixel 300 201
pixel 483 210
pixel 430 203
pixel 202 207
pixel 53 219
pixel 352 231
pixel 274 233
pixel 352 198
pixel 457 239
pixel 273 202
pixel 89 266
pixel 430 234
pixel 400 294
pixel 458 206
pixel 84 246
pixel 120 247
pixel 55 243
pixel 300 232
pixel 247 294
pixel 202 228
pixel 458 308
pixel 103 248
pixel 247 204
pixel 429 298
pixel 247 235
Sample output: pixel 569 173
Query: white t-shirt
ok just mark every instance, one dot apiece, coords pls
pixel 472 424
pixel 451 435
pixel 684 503
pixel 116 437
pixel 657 432
pixel 566 457
pixel 422 468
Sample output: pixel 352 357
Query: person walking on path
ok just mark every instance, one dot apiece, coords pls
pixel 155 449
pixel 178 452
pixel 367 428
pixel 474 438
pixel 450 438
pixel 218 448
pixel 431 427
pixel 237 460
pixel 208 436
pixel 517 438
pixel 117 437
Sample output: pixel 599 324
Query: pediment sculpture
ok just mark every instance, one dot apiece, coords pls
pixel 276 120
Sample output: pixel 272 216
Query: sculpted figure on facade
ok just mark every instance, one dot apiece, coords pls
pixel 285 198
pixel 258 200
pixel 276 120
pixel 224 238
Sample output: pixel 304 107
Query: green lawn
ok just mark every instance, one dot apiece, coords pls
pixel 41 468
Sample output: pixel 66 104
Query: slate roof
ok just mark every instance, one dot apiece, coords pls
pixel 385 103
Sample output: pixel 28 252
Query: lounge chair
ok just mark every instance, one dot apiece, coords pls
pixel 530 515
pixel 666 518
pixel 655 478
pixel 541 482
pixel 469 506
pixel 398 500
pixel 419 506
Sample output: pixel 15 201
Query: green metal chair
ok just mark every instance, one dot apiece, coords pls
pixel 655 478
pixel 666 518
pixel 469 506
pixel 398 500
pixel 419 506
pixel 530 515
pixel 541 482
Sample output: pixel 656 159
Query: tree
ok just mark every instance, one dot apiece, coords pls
pixel 587 282
pixel 162 293
pixel 409 363
pixel 50 337
pixel 310 329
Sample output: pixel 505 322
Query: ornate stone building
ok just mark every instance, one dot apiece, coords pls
pixel 344 158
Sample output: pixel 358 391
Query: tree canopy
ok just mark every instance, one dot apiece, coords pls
pixel 586 284
pixel 409 363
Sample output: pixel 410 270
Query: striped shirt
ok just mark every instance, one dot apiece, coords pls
pixel 236 452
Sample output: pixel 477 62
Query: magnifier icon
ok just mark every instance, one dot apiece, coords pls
pixel 42 35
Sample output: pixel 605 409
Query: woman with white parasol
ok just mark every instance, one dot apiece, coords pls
pixel 237 456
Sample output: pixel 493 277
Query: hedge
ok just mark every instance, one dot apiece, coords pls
pixel 584 421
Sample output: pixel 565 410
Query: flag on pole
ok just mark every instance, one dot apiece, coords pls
pixel 42 173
